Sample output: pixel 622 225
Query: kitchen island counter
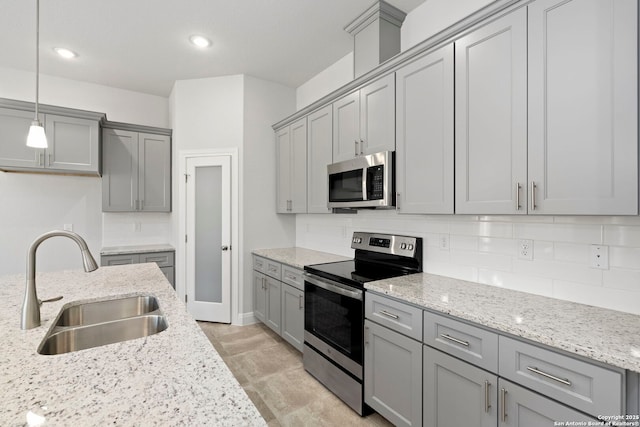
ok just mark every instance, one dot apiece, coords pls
pixel 174 377
pixel 608 336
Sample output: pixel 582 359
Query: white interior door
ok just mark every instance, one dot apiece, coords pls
pixel 208 238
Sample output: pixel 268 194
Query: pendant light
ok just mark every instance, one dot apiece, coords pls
pixel 37 137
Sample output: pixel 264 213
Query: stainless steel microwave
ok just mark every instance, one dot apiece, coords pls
pixel 362 182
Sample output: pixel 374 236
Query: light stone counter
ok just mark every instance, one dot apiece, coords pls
pixel 608 336
pixel 172 378
pixel 136 249
pixel 298 257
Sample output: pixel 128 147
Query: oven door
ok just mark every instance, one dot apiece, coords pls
pixel 334 319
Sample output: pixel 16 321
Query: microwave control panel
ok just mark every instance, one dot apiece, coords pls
pixel 375 182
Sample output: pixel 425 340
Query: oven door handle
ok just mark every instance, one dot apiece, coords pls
pixel 333 287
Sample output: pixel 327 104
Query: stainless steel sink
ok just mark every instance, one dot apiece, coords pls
pixel 104 311
pixel 95 324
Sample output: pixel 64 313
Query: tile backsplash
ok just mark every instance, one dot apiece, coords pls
pixel 486 249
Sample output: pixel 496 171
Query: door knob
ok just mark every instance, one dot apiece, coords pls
pixel 225 248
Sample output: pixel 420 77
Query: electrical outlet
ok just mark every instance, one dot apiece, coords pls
pixel 68 227
pixel 599 257
pixel 525 249
pixel 444 242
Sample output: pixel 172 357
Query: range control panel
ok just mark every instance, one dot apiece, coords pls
pixel 385 243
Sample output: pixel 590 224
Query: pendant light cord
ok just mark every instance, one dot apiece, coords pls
pixel 37 54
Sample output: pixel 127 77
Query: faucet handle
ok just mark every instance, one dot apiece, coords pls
pixel 42 301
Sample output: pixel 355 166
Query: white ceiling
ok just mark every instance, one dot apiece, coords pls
pixel 142 45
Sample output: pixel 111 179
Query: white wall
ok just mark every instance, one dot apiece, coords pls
pixel 35 203
pixel 264 104
pixel 484 249
pixel 336 75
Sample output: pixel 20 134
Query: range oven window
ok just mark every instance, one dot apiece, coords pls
pixel 335 319
pixel 346 186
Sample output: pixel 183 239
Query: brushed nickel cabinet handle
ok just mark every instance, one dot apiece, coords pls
pixel 355 145
pixel 366 335
pixel 455 340
pixel 398 201
pixel 361 147
pixel 300 302
pixel 50 159
pixel 503 402
pixel 518 187
pixel 391 315
pixel 533 195
pixel 487 398
pixel 535 370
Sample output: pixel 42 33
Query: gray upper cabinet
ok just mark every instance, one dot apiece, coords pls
pixel 364 121
pixel 319 155
pixel 73 142
pixel 424 134
pixel 583 116
pixel 136 172
pixel 491 118
pixel 291 146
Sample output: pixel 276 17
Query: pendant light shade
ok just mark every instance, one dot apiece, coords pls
pixel 36 137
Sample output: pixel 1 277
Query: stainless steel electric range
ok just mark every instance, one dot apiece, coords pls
pixel 334 309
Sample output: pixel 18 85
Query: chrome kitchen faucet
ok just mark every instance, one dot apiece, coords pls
pixel 31 305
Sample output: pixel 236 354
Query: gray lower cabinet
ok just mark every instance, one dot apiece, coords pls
pixel 136 171
pixel 164 260
pixel 457 393
pixel 278 299
pixel 293 316
pixel 519 407
pixel 73 142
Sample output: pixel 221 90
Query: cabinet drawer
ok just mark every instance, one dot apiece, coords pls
pixel 397 316
pixel 163 259
pixel 584 386
pixel 108 260
pixel 259 264
pixel 474 345
pixel 273 269
pixel 293 277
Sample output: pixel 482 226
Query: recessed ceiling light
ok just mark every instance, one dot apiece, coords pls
pixel 200 41
pixel 65 53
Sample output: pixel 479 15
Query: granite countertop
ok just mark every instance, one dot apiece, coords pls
pixel 608 336
pixel 136 249
pixel 175 377
pixel 298 257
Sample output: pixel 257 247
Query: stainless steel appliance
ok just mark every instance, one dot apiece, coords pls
pixel 334 309
pixel 362 182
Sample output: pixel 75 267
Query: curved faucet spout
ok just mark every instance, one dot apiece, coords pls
pixel 31 305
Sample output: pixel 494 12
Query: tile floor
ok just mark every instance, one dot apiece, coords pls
pixel 271 373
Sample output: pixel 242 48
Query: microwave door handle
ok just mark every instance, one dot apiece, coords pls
pixel 364 184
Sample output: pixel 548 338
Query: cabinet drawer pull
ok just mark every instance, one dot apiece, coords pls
pixel 487 403
pixel 300 302
pixel 456 340
pixel 273 268
pixel 518 187
pixel 391 315
pixel 291 277
pixel 551 377
pixel 503 404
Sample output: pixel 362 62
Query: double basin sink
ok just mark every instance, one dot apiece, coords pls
pixel 93 324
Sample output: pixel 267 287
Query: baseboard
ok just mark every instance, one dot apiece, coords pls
pixel 246 319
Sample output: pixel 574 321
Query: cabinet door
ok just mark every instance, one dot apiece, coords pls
pixel 378 116
pixel 120 171
pixel 424 134
pixel 274 308
pixel 491 118
pixel 524 408
pixel 298 166
pixel 293 316
pixel 393 375
pixel 346 127
pixel 319 155
pixel 259 296
pixel 124 259
pixel 457 393
pixel 283 172
pixel 154 173
pixel 14 128
pixel 73 144
pixel 583 142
